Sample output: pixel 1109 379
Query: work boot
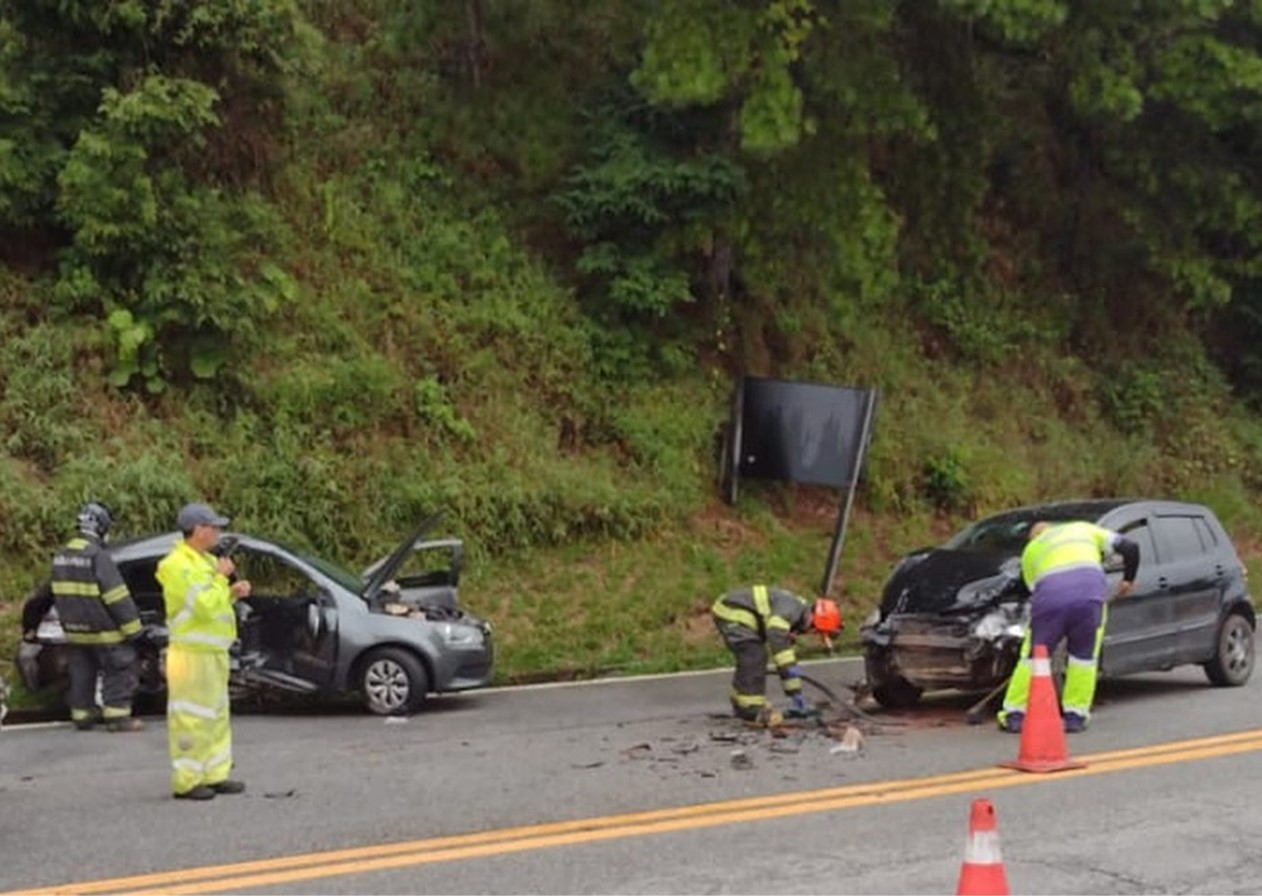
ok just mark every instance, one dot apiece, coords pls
pixel 86 724
pixel 767 718
pixel 228 786
pixel 1012 722
pixel 126 723
pixel 200 792
pixel 1074 723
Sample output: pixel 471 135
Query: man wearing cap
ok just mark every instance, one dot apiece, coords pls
pixel 198 598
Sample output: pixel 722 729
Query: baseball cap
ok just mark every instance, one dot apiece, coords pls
pixel 193 515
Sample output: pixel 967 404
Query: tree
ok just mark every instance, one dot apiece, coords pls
pixel 120 148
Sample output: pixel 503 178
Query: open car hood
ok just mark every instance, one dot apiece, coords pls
pixel 382 571
pixel 942 580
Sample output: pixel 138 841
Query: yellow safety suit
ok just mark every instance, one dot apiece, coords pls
pixel 202 628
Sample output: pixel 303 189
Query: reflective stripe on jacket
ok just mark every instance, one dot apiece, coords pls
pixel 1065 546
pixel 92 600
pixel 197 599
pixel 773 614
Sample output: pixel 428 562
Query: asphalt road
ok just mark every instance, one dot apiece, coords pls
pixel 632 787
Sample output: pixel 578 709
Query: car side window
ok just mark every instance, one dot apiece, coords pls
pixel 271 576
pixel 1208 539
pixel 1182 538
pixel 1140 533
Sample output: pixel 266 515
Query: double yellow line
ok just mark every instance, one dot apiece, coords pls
pixel 362 860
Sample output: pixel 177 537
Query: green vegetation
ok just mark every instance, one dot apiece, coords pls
pixel 334 265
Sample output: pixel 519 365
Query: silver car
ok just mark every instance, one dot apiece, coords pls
pixel 394 633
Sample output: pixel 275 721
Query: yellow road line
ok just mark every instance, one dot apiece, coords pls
pixel 360 860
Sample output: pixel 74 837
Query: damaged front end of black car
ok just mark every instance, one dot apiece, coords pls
pixel 948 618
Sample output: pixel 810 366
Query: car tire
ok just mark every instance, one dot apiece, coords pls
pixel 889 689
pixel 1233 656
pixel 393 682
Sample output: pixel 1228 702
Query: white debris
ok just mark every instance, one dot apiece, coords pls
pixel 851 742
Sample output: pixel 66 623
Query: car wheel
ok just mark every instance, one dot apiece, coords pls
pixel 888 688
pixel 1233 661
pixel 393 682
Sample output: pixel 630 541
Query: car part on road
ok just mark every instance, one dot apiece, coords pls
pixel 393 682
pixel 825 698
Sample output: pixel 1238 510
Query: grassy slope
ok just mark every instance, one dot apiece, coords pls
pixel 432 360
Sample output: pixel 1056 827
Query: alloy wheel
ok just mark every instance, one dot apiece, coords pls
pixel 387 686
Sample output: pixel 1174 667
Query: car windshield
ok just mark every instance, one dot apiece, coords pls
pixel 1007 532
pixel 343 577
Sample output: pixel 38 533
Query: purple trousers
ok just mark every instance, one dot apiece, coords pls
pixel 1068 605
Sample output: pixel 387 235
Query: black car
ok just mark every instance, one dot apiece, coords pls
pixel 394 633
pixel 954 616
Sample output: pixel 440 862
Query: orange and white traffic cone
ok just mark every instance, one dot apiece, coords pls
pixel 1042 733
pixel 982 873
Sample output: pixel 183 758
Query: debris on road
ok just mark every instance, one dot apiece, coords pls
pixel 830 727
pixel 851 743
pixel 639 751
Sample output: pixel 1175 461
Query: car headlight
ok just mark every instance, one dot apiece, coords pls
pixel 461 635
pixel 1008 620
pixel 991 626
pixel 872 618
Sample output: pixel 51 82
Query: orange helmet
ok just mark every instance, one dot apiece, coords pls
pixel 826 616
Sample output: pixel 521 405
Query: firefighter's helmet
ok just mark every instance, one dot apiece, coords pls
pixel 95 519
pixel 826 616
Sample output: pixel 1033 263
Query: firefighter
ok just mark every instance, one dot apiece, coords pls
pixel 198 598
pixel 99 618
pixel 1062 565
pixel 760 620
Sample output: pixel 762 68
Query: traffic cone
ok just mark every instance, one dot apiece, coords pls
pixel 982 873
pixel 1042 733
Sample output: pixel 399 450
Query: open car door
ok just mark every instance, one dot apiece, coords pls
pixel 287 626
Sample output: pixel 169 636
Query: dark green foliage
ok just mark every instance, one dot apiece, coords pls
pixel 369 259
pixel 946 483
pixel 644 206
pixel 122 147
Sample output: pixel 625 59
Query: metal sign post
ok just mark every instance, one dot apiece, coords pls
pixel 843 516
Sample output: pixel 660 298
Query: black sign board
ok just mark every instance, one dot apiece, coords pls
pixel 803 432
